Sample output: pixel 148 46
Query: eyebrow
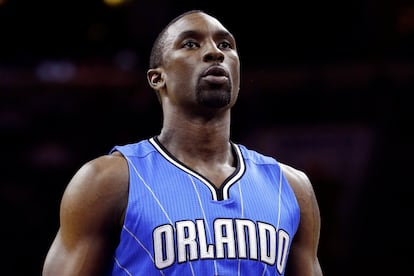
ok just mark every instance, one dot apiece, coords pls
pixel 196 34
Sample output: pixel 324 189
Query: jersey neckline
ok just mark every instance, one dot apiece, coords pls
pixel 218 194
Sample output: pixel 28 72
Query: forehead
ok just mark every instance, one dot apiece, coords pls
pixel 196 22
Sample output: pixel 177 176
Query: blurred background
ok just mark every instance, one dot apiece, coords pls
pixel 326 87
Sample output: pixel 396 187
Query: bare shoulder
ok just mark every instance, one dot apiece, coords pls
pixel 106 173
pixel 299 181
pixel 303 189
pixel 91 214
pixel 100 185
pixel 303 258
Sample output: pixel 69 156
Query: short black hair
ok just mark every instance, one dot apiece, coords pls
pixel 159 43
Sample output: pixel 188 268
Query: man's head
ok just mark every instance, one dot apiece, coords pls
pixel 195 59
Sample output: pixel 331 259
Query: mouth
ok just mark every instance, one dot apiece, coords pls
pixel 215 75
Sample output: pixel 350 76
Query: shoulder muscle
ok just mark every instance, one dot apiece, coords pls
pixel 95 197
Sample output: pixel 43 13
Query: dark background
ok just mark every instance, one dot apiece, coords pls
pixel 326 87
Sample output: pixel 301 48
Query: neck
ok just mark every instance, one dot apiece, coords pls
pixel 197 138
pixel 201 144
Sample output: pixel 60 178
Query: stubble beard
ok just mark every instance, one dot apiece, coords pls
pixel 214 97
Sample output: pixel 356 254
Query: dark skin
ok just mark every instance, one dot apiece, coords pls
pixel 198 83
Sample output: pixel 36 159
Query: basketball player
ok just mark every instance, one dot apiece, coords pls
pixel 188 201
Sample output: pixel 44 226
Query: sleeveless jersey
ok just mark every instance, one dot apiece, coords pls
pixel 178 223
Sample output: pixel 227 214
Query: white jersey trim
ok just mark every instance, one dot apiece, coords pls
pixel 214 191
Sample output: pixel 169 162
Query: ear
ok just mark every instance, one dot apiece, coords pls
pixel 155 78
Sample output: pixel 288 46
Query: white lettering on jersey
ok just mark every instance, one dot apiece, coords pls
pixel 186 240
pixel 224 235
pixel 164 253
pixel 233 238
pixel 283 246
pixel 206 252
pixel 249 241
pixel 267 236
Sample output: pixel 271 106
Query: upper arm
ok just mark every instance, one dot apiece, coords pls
pixel 90 216
pixel 303 257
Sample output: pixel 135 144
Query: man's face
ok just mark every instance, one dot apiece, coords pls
pixel 200 63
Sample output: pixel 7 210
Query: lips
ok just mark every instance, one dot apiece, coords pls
pixel 215 71
pixel 215 75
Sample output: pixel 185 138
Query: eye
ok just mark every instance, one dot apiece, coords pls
pixel 224 45
pixel 190 44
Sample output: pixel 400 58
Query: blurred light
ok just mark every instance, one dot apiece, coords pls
pixel 114 3
pixel 405 22
pixel 55 71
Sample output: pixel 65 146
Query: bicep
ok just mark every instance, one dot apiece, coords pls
pixel 83 257
pixel 303 256
pixel 89 220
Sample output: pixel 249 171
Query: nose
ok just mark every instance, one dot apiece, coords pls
pixel 213 53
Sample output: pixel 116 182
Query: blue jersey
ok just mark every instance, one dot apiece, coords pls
pixel 178 223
